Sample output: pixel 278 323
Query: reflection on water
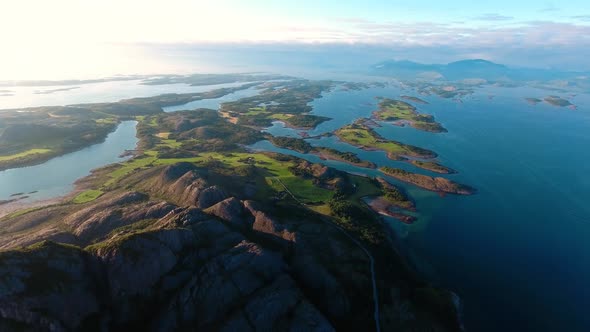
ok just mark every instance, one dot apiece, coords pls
pixel 57 176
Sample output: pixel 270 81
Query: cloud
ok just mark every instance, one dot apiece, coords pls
pixel 493 17
pixel 549 8
pixel 585 18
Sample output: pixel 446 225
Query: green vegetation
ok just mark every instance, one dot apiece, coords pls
pixel 280 116
pixel 285 101
pixel 402 112
pixel 296 144
pixel 356 218
pixel 306 121
pixel 60 129
pixel 128 167
pixel 359 134
pixel 24 154
pixel 432 166
pixel 302 146
pixel 21 212
pixel 347 157
pixel 87 196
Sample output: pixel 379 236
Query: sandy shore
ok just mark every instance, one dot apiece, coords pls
pixel 8 208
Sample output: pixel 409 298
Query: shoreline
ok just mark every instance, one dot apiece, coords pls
pixel 18 205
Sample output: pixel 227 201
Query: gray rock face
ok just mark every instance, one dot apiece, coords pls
pixel 97 221
pixel 247 274
pixel 264 223
pixel 186 187
pixel 232 211
pixel 36 285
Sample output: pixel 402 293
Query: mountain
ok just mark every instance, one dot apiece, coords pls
pixel 470 69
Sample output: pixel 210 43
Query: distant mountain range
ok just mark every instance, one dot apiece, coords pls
pixel 470 69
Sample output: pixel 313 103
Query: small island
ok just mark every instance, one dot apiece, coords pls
pixel 401 113
pixel 432 166
pixel 361 135
pixel 304 121
pixel 553 101
pixel 437 184
pixel 414 99
pixel 346 157
pixel 557 101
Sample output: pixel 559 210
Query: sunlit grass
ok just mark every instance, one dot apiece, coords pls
pixel 24 154
pixel 87 196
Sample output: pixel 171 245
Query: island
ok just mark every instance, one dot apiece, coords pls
pixel 553 101
pixel 361 135
pixel 345 157
pixel 401 113
pixel 437 184
pixel 50 91
pixel 432 166
pixel 325 153
pixel 557 101
pixel 286 101
pixel 414 99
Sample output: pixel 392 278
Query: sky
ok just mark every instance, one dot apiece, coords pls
pixel 79 38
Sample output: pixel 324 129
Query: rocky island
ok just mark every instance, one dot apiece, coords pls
pixel 437 184
pixel 432 166
pixel 401 113
pixel 361 135
pixel 302 146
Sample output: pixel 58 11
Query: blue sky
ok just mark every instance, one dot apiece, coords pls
pixel 63 36
pixel 420 10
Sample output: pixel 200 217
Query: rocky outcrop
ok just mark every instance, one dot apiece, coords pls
pixel 38 283
pixel 232 211
pixel 182 184
pixel 264 223
pixel 104 221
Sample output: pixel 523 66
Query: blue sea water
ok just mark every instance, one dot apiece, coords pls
pixel 517 252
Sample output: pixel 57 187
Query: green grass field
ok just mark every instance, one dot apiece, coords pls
pixel 256 111
pixel 364 137
pixel 281 116
pixel 304 190
pixel 87 196
pixel 399 111
pixel 24 154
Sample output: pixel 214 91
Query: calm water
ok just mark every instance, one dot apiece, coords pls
pixel 213 103
pixel 95 93
pixel 57 176
pixel 517 252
